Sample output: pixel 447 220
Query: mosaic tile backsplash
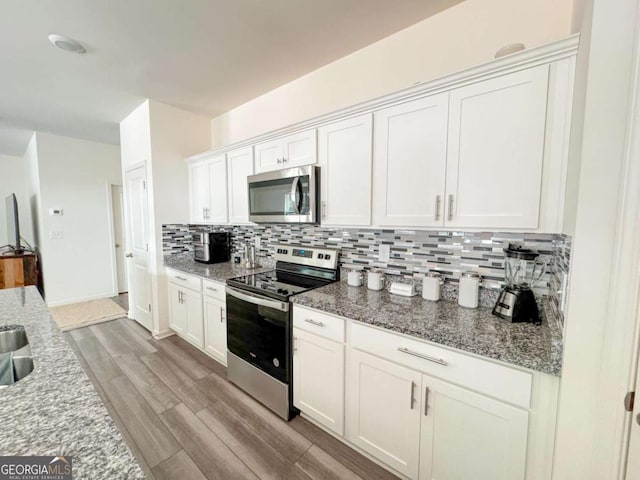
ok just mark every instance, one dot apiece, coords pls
pixel 413 252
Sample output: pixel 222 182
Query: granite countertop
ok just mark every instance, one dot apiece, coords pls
pixel 219 272
pixel 477 331
pixel 55 410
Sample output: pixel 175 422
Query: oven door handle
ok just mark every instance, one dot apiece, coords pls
pixel 265 302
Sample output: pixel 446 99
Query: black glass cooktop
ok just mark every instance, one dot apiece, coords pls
pixel 276 284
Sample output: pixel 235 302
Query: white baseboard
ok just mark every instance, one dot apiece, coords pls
pixel 79 299
pixel 164 334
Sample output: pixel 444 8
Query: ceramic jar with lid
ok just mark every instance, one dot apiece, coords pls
pixel 431 286
pixel 469 290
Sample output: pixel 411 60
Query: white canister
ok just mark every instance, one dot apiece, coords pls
pixel 468 291
pixel 354 278
pixel 375 280
pixel 431 286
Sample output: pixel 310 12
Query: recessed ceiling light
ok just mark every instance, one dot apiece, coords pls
pixel 67 44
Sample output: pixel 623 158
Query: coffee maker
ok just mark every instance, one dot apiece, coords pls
pixel 516 302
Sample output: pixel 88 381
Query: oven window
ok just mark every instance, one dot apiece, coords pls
pixel 260 336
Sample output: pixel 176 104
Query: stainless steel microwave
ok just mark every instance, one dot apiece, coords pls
pixel 285 196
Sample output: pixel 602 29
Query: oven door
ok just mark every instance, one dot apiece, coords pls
pixel 284 196
pixel 259 332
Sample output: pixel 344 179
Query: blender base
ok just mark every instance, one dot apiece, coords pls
pixel 517 305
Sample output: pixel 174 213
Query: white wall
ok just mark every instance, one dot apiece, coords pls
pixel 74 175
pixel 33 188
pixel 597 333
pixel 163 136
pixel 460 37
pixel 13 179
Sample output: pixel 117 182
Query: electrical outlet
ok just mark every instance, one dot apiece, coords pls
pixel 384 254
pixel 55 235
pixel 258 242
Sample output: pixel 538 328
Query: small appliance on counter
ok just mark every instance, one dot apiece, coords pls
pixel 211 247
pixel 403 289
pixel 516 302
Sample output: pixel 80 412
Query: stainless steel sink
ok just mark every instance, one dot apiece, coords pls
pixel 12 338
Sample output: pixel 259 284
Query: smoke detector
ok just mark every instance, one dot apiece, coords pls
pixel 66 43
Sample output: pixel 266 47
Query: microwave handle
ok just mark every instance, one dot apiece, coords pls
pixel 294 194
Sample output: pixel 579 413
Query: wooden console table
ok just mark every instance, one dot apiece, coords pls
pixel 18 269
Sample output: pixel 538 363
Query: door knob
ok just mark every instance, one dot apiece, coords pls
pixel 129 255
pixel 117 245
pixel 638 419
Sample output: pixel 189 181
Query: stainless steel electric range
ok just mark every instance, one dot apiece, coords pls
pixel 259 326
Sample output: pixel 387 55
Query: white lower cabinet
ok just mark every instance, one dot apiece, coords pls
pixel 185 313
pixel 215 328
pixel 464 435
pixel 318 379
pixel 383 410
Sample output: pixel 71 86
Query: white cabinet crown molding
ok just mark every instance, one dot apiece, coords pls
pixel 544 54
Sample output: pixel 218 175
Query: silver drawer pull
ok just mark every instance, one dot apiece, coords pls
pixel 212 289
pixel 421 355
pixel 314 322
pixel 181 278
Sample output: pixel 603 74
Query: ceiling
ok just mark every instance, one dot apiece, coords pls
pixel 206 56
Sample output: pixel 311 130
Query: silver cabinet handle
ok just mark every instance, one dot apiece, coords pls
pixel 437 215
pixel 426 401
pixel 450 217
pixel 284 160
pixel 295 344
pixel 212 289
pixel 324 209
pixel 423 356
pixel 222 314
pixel 413 387
pixel 181 278
pixel 278 160
pixel 314 322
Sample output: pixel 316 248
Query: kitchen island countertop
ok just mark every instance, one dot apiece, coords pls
pixel 55 410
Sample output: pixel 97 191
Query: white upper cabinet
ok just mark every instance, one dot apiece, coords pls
pixel 344 155
pixel 240 166
pixel 410 153
pixel 495 151
pixel 208 190
pixel 291 151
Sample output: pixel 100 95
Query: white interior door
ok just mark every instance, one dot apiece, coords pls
pixel 117 205
pixel 137 204
pixel 633 458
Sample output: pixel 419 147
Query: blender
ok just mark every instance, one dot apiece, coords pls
pixel 516 302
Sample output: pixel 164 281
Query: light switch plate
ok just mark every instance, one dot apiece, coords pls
pixel 258 242
pixel 384 253
pixel 55 235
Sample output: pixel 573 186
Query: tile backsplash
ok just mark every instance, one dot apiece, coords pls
pixel 413 252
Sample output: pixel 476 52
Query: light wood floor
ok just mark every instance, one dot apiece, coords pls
pixel 183 420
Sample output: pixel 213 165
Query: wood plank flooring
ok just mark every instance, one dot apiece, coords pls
pixel 183 420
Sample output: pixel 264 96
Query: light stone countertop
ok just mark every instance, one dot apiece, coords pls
pixel 55 410
pixel 477 331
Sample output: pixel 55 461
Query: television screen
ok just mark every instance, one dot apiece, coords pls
pixel 13 225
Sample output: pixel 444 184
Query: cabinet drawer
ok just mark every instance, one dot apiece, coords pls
pixel 213 289
pixel 184 280
pixel 510 385
pixel 319 323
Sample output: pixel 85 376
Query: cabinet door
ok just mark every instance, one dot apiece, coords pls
pixel 410 152
pixel 240 166
pixel 217 212
pixel 198 191
pixel 345 157
pixel 177 310
pixel 496 140
pixel 215 328
pixel 268 156
pixel 383 410
pixel 299 149
pixel 194 326
pixel 318 379
pixel 467 435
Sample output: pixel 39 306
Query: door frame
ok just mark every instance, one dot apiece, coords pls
pixel 111 226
